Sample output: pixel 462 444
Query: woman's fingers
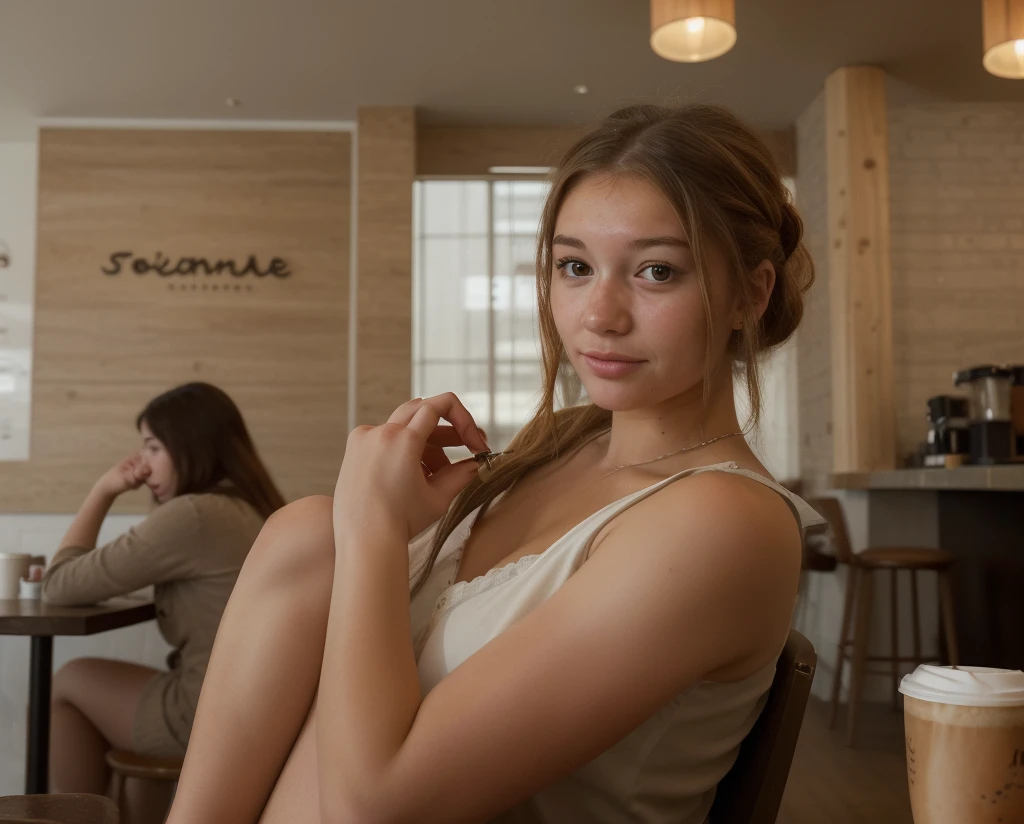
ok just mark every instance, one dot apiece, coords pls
pixel 444 435
pixel 434 458
pixel 463 430
pixel 425 416
pixel 404 413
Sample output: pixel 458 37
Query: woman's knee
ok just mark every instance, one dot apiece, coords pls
pixel 72 678
pixel 105 692
pixel 296 542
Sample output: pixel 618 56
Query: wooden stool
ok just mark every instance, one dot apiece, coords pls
pixel 862 568
pixel 813 559
pixel 70 808
pixel 132 765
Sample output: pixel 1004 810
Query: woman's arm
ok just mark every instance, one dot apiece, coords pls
pixel 697 580
pixel 85 528
pixel 160 549
pixel 122 477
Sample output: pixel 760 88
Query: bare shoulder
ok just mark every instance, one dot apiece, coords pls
pixel 718 550
pixel 719 509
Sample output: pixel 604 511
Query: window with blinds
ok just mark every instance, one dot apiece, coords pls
pixel 474 301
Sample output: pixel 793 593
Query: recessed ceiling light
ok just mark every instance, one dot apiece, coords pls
pixel 232 102
pixel 581 89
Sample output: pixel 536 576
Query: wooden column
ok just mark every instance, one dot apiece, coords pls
pixel 860 278
pixel 387 169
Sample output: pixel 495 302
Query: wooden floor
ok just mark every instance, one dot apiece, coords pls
pixel 833 784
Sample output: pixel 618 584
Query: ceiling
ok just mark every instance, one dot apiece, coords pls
pixel 459 61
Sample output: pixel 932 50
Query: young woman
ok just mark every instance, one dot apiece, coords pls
pixel 213 496
pixel 588 630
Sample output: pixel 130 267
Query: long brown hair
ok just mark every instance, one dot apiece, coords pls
pixel 209 444
pixel 725 186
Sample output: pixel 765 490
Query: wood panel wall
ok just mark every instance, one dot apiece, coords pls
pixel 860 278
pixel 472 150
pixel 105 344
pixel 387 169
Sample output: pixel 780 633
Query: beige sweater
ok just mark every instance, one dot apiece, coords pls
pixel 191 549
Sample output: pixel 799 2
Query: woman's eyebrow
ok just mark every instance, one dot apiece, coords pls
pixel 565 240
pixel 637 245
pixel 642 243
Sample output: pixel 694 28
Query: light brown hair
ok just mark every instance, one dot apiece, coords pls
pixel 725 186
pixel 208 442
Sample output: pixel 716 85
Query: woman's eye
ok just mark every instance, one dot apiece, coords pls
pixel 656 273
pixel 575 268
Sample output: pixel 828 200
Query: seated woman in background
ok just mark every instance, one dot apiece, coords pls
pixel 589 629
pixel 213 495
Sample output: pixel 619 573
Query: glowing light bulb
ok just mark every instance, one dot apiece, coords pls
pixel 704 31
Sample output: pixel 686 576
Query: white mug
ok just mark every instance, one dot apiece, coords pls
pixel 13 567
pixel 30 590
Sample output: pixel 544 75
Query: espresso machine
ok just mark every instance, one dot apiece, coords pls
pixel 948 431
pixel 989 413
pixel 1017 408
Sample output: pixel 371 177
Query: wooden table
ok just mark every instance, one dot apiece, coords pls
pixel 42 621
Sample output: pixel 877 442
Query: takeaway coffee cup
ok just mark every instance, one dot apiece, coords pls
pixel 13 567
pixel 965 744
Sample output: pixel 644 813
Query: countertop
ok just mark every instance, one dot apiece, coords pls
pixel 1002 478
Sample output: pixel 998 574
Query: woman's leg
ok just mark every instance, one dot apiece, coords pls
pixel 145 802
pixel 296 795
pixel 93 710
pixel 264 669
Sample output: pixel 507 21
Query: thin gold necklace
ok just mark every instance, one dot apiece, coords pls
pixel 486 468
pixel 672 454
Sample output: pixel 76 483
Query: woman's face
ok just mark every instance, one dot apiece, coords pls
pixel 163 479
pixel 626 298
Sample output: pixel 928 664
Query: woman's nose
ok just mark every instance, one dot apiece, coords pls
pixel 607 310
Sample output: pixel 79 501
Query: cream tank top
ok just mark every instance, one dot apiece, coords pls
pixel 665 770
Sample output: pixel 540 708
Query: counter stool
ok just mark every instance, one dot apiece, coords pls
pixel 148 768
pixel 856 633
pixel 816 556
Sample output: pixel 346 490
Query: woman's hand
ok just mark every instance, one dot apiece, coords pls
pixel 400 471
pixel 129 474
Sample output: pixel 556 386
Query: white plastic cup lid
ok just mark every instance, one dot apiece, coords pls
pixel 965 686
pixel 15 556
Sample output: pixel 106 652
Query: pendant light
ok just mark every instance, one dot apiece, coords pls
pixel 1003 26
pixel 692 31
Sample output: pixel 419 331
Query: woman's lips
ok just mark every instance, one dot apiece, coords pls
pixel 610 365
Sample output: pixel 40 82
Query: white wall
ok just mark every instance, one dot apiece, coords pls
pixel 776 440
